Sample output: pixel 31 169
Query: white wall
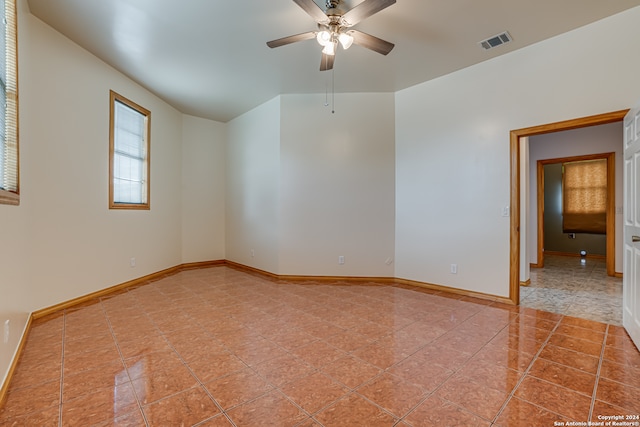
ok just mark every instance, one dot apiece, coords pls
pixel 577 142
pixel 64 242
pixel 451 171
pixel 79 245
pixel 305 186
pixel 203 189
pixel 337 185
pixel 452 145
pixel 14 293
pixel 252 204
pixel 14 265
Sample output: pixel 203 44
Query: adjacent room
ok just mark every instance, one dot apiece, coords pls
pixel 573 270
pixel 310 213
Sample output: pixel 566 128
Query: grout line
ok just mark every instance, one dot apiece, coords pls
pixel 454 372
pixel 595 386
pixel 113 335
pixel 198 380
pixel 203 387
pixel 64 325
pixel 526 372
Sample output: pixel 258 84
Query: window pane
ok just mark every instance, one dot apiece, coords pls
pixel 125 191
pixel 129 154
pixel 3 138
pixel 129 179
pixel 9 181
pixel 129 137
pixel 3 95
pixel 3 131
pixel 3 40
pixel 127 143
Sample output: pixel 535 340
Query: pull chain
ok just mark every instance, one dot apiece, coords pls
pixel 326 94
pixel 333 92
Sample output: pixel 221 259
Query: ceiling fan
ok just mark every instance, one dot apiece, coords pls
pixel 334 27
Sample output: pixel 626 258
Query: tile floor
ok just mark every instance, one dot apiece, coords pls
pixel 566 285
pixel 220 347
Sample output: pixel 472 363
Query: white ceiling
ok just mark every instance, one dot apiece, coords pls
pixel 209 58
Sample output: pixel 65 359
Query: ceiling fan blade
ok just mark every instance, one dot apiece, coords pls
pixel 365 10
pixel 327 62
pixel 313 10
pixel 291 39
pixel 371 42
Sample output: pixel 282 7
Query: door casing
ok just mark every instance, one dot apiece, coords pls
pixel 514 148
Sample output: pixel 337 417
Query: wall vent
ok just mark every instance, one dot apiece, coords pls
pixel 495 41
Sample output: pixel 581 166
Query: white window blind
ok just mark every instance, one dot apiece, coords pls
pixel 9 185
pixel 129 154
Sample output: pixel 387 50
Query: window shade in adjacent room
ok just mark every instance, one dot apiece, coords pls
pixel 584 197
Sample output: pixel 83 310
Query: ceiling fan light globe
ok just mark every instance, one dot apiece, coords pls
pixel 345 40
pixel 323 38
pixel 329 49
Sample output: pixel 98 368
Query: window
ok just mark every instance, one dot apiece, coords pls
pixel 584 195
pixel 129 126
pixel 9 187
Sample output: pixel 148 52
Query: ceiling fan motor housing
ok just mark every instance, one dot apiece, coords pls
pixel 332 4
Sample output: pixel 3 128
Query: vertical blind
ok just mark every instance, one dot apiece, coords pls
pixel 9 99
pixel 584 197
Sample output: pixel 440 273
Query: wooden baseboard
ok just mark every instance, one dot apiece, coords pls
pixel 252 270
pixel 104 292
pixel 526 282
pixel 201 264
pixel 88 298
pixel 449 290
pixel 298 278
pixel 618 275
pixel 38 314
pixel 572 254
pixel 4 387
pixel 122 286
pixel 360 279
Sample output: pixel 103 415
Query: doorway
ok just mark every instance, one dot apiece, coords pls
pixel 515 198
pixel 547 166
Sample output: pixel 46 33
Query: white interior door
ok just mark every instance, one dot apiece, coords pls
pixel 631 277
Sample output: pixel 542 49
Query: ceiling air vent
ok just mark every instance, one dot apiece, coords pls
pixel 495 41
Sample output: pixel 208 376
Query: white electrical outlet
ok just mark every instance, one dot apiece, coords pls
pixel 341 260
pixel 132 262
pixel 7 324
pixel 454 268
